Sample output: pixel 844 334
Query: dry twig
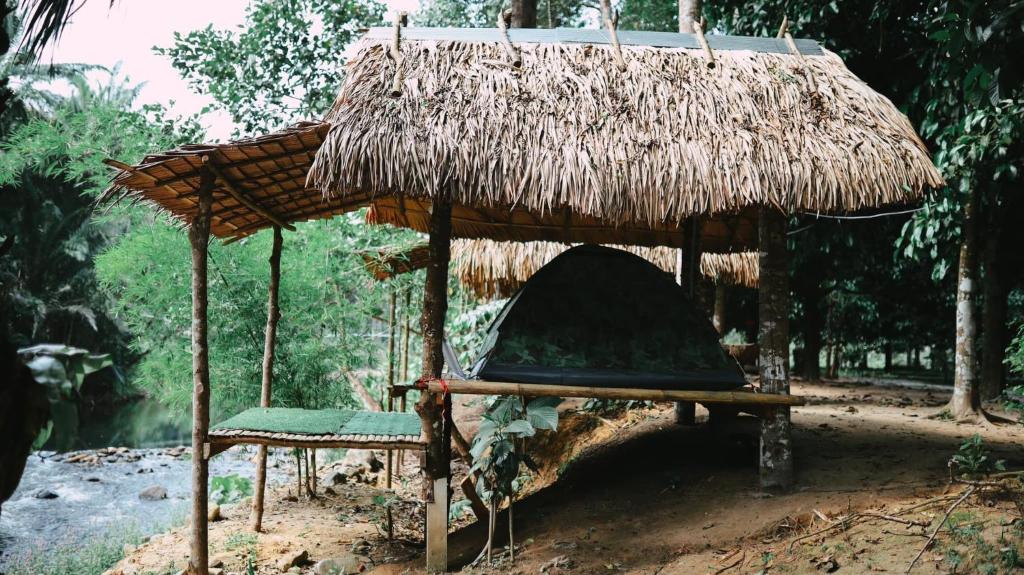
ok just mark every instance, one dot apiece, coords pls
pixel 967 493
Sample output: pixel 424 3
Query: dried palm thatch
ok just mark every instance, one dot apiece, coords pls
pixel 385 264
pixel 740 269
pixel 260 182
pixel 569 148
pixel 497 269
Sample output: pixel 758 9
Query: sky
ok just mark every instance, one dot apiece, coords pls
pixel 126 32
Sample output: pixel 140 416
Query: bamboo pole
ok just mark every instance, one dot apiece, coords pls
pixel 391 378
pixel 400 456
pixel 312 469
pixel 504 20
pixel 776 458
pixel 269 343
pixel 199 238
pixel 298 473
pixel 698 30
pixel 480 387
pixel 611 22
pixel 434 408
pixel 396 54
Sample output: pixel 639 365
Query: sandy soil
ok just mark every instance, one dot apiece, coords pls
pixel 634 493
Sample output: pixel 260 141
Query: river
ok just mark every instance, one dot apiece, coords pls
pixel 93 499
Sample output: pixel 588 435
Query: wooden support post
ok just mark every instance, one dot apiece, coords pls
pixel 718 319
pixel 688 275
pixel 434 408
pixel 312 469
pixel 269 343
pixel 776 454
pixel 390 402
pixel 199 238
pixel 406 328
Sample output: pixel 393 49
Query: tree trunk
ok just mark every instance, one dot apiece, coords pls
pixel 814 325
pixel 994 314
pixel 773 341
pixel 689 14
pixel 887 350
pixel 364 395
pixel 433 408
pixel 269 343
pixel 199 237
pixel 718 319
pixel 524 13
pixel 965 404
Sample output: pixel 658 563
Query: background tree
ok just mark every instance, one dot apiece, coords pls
pixel 284 65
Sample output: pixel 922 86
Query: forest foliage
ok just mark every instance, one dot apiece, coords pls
pixel 115 280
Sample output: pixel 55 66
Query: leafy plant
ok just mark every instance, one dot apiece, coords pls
pixel 239 540
pixel 61 369
pixel 387 502
pixel 229 488
pixel 973 459
pixel 498 452
pixel 1013 397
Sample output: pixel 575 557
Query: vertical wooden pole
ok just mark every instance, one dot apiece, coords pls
pixel 312 468
pixel 433 408
pixel 776 459
pixel 406 328
pixel 199 237
pixel 269 343
pixel 718 318
pixel 688 274
pixel 391 379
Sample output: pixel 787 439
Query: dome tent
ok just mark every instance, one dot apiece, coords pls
pixel 632 326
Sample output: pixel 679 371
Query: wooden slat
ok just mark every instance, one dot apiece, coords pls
pixel 234 192
pixel 480 387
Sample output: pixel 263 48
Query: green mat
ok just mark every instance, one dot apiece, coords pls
pixel 323 421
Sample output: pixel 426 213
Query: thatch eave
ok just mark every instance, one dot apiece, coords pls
pixel 537 153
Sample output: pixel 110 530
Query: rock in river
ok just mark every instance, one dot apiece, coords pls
pixel 44 494
pixel 154 493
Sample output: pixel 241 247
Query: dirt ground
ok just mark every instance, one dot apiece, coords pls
pixel 634 493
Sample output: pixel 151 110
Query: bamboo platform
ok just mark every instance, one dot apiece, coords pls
pixel 735 397
pixel 318 429
pixel 229 437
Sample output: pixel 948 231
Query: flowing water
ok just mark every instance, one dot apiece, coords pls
pixel 94 499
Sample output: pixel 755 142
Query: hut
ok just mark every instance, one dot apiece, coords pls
pixel 559 135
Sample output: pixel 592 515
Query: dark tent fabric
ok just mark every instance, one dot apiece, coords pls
pixel 602 317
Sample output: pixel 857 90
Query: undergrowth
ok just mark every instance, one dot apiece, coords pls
pixel 91 557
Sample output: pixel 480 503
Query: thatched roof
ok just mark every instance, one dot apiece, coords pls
pixel 497 269
pixel 569 148
pixel 385 264
pixel 566 148
pixel 269 172
pixel 742 269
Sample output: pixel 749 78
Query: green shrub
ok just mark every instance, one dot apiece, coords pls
pixel 229 489
pixel 973 459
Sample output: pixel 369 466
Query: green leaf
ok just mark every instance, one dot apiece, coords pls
pixel 543 417
pixel 519 427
